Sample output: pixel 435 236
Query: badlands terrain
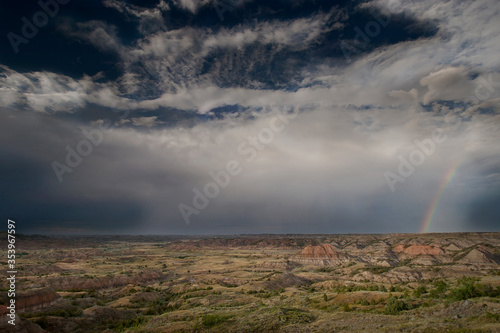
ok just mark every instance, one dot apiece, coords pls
pixel 256 283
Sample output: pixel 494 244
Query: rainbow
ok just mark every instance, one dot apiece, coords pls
pixel 431 212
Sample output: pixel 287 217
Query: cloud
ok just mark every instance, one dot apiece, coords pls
pixel 451 83
pixel 146 121
pixel 323 173
pixel 101 35
pixel 192 5
pixel 51 92
pixel 333 167
pixel 298 32
pixel 410 97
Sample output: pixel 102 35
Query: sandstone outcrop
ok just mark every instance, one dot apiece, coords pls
pixel 324 254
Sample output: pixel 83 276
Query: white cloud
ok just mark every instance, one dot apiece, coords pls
pixel 410 97
pixel 298 33
pixel 50 92
pixel 146 121
pixel 451 83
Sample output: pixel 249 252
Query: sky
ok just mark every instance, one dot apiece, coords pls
pixel 250 116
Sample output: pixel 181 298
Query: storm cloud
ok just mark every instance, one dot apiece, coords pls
pixel 116 113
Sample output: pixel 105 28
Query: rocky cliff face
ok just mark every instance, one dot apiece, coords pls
pixel 36 299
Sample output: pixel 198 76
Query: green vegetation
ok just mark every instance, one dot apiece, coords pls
pixel 295 315
pixel 161 306
pixel 468 287
pixel 210 320
pixel 325 269
pixel 394 306
pixel 441 286
pixel 419 291
pixel 358 287
pixel 124 325
pixel 378 269
pixel 265 294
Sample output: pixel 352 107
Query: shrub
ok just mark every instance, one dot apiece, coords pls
pixel 378 269
pixel 325 269
pixel 395 306
pixel 210 320
pixel 495 317
pixel 470 288
pixel 131 323
pixel 364 302
pixel 419 291
pixel 486 290
pixel 294 315
pixel 441 286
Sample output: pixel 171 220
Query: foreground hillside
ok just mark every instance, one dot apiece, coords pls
pixel 258 283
